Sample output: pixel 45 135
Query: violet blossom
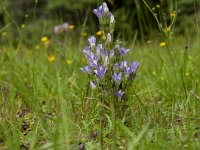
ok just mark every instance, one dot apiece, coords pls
pixel 120 94
pixel 91 57
pixel 101 10
pixel 101 71
pixel 123 51
pixel 94 63
pixel 123 64
pixel 128 70
pixel 86 69
pixel 132 69
pixel 104 53
pixel 117 77
pixel 134 66
pixel 92 41
pixel 112 53
pixel 109 72
pixel 86 50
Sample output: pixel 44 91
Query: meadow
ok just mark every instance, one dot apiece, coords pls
pixel 46 103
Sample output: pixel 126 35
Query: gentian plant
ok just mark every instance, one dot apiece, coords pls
pixel 109 72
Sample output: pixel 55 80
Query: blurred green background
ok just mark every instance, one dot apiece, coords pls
pixel 133 16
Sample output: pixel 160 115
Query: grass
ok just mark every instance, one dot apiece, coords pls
pixel 161 113
pixel 43 103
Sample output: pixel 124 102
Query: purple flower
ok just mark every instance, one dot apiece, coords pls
pixel 101 71
pixel 104 53
pixel 101 10
pixel 123 64
pixel 117 77
pixel 91 57
pixel 134 66
pixel 86 50
pixel 123 51
pixel 93 63
pixel 112 53
pixel 86 69
pixel 132 69
pixel 120 94
pixel 92 41
pixel 128 70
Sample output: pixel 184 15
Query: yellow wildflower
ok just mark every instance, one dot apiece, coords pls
pixel 4 34
pixel 51 58
pixel 23 26
pixel 44 39
pixel 37 47
pixel 172 14
pixel 69 62
pixel 162 44
pixel 162 78
pixel 84 33
pixel 99 33
pixel 72 27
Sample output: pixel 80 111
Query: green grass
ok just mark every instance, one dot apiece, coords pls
pixel 51 108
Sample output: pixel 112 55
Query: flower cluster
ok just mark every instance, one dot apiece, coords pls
pixel 107 67
pixel 106 18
